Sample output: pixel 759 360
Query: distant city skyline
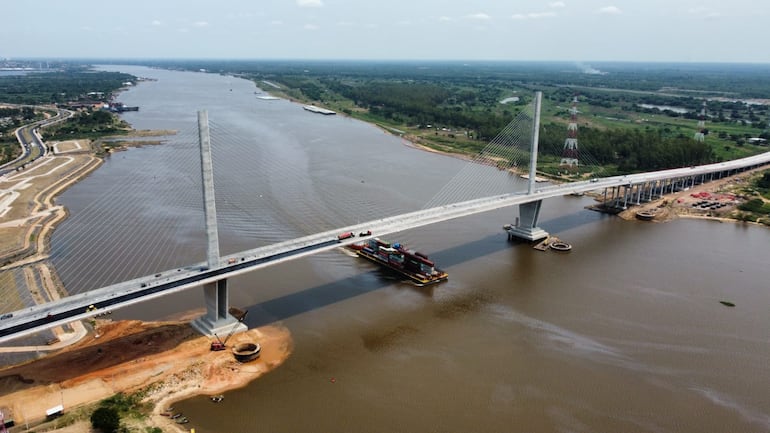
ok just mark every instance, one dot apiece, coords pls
pixel 548 30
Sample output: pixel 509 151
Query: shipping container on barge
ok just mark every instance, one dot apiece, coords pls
pixel 412 264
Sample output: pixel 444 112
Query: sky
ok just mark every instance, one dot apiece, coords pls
pixel 518 30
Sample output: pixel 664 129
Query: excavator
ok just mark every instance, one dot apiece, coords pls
pixel 222 344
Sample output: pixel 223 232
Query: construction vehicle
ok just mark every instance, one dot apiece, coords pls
pixel 222 344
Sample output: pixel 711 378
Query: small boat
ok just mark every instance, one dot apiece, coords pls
pixel 176 415
pixel 727 303
pixel 168 414
pixel 217 398
pixel 182 420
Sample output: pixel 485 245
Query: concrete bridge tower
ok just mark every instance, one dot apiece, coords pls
pixel 217 318
pixel 526 225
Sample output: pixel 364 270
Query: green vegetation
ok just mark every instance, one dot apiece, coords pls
pixel 111 411
pixel 631 117
pixel 106 419
pixel 756 205
pixel 10 119
pixel 69 84
pixel 757 209
pixel 73 83
pixel 86 124
pixel 763 184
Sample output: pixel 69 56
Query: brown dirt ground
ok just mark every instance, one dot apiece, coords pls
pixel 169 360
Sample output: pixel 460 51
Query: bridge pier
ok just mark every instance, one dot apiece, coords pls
pixel 217 319
pixel 526 225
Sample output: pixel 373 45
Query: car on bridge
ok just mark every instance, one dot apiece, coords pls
pixel 6 316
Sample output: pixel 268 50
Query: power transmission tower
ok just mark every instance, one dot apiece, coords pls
pixel 569 157
pixel 701 134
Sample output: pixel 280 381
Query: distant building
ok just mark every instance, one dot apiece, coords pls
pixel 758 140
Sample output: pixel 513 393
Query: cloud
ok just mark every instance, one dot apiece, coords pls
pixel 479 16
pixel 533 15
pixel 156 23
pixel 703 12
pixel 310 27
pixel 444 19
pixel 609 10
pixel 276 22
pixel 201 24
pixel 557 5
pixel 310 3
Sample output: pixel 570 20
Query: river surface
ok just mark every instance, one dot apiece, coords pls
pixel 623 334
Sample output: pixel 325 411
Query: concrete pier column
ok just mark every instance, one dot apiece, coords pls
pixel 626 193
pixel 526 226
pixel 217 319
pixel 638 194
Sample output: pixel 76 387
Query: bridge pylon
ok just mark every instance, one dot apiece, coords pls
pixel 526 225
pixel 217 318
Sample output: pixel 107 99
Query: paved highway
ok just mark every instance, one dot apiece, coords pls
pixel 29 138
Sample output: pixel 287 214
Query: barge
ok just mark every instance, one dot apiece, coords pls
pixel 396 257
pixel 319 110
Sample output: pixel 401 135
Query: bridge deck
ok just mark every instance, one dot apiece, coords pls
pixel 34 319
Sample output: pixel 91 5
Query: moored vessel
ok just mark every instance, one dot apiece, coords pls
pixel 412 264
pixel 319 110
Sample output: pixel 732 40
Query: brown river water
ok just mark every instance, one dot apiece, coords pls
pixel 623 334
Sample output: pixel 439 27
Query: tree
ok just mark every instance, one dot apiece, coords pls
pixel 764 182
pixel 106 419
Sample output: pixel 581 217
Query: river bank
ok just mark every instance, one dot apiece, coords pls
pixel 163 361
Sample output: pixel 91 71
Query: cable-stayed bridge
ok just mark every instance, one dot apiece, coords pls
pixel 451 203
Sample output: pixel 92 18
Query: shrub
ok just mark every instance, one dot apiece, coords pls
pixel 756 205
pixel 106 419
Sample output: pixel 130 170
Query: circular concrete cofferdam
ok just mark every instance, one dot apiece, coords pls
pixel 246 352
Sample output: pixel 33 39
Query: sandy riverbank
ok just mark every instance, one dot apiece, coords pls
pixel 169 361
